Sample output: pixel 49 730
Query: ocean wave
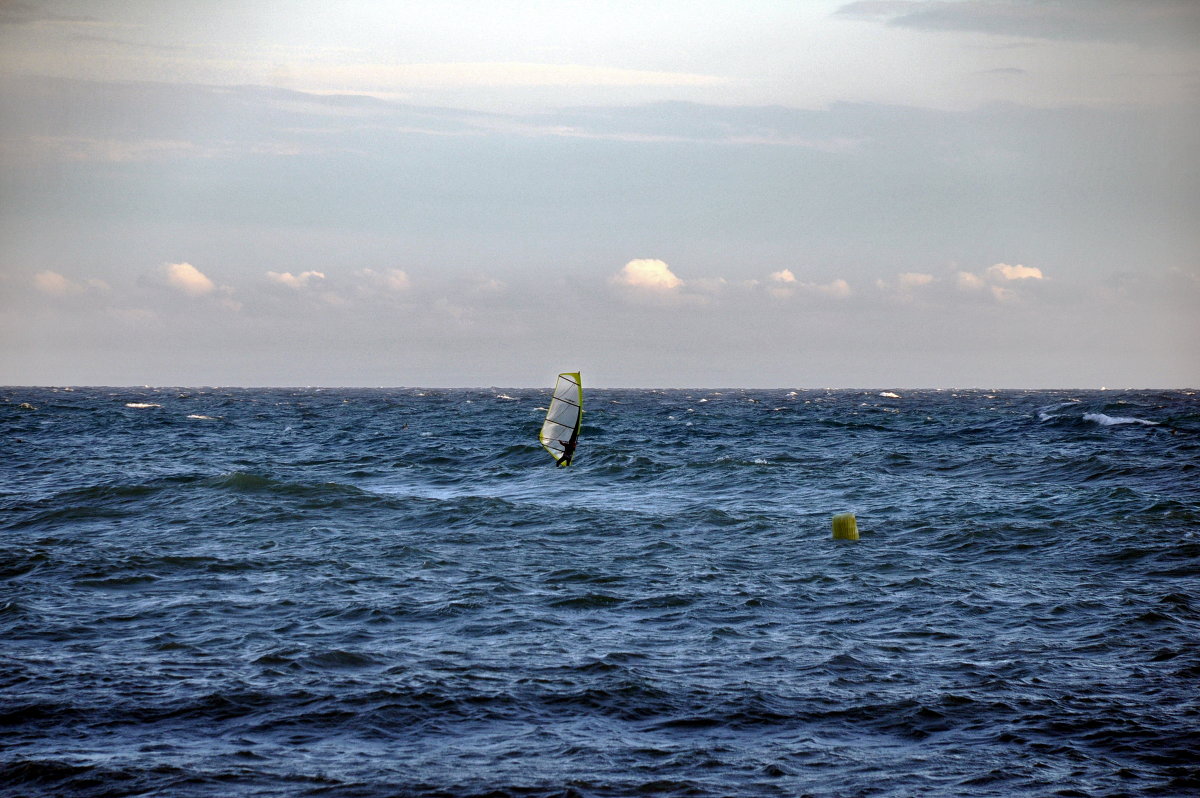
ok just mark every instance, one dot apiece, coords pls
pixel 1091 419
pixel 355 610
pixel 1111 421
pixel 247 482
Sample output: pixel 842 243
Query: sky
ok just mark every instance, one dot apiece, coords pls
pixel 882 193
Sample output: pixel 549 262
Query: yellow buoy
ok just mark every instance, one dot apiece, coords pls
pixel 845 527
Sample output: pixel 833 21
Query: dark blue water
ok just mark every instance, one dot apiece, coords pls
pixel 212 592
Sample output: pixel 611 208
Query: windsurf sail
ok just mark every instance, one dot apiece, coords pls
pixel 560 430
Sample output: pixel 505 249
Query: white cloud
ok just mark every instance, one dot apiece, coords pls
pixel 914 279
pixel 296 281
pixel 51 282
pixel 838 288
pixel 189 279
pixel 1005 272
pixel 491 75
pixel 995 279
pixel 904 289
pixel 786 284
pixel 968 281
pixel 649 274
pixel 390 279
pixel 54 283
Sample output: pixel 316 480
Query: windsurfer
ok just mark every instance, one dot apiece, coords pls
pixel 568 450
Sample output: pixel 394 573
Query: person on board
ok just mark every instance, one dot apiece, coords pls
pixel 568 450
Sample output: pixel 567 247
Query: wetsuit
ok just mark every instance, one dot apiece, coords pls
pixel 568 449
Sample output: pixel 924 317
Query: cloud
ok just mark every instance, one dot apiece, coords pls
pixel 905 284
pixel 996 279
pixel 1005 272
pixel 295 281
pixel 189 279
pixel 1145 21
pixel 16 12
pixel 968 281
pixel 839 288
pixel 53 283
pixel 784 284
pixel 112 150
pixel 494 75
pixel 910 280
pixel 489 285
pixel 389 279
pixel 648 274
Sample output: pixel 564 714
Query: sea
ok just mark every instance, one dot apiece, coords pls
pixel 394 592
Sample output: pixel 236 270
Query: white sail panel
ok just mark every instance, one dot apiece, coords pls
pixel 563 417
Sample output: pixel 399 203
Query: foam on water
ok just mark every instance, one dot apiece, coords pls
pixel 1109 421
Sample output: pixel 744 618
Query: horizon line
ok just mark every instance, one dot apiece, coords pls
pixel 603 388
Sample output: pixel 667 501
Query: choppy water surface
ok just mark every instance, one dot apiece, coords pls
pixel 213 592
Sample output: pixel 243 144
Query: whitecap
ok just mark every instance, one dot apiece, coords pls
pixel 1110 421
pixel 200 417
pixel 504 396
pixel 1045 413
pixel 141 405
pixel 890 395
